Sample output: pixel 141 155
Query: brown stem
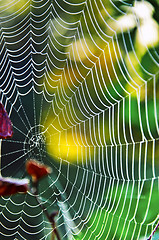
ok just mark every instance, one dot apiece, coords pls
pixel 52 220
pixel 55 231
pixel 153 231
pixel 53 236
pixel 50 217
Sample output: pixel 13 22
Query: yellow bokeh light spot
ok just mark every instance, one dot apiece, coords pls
pixel 63 147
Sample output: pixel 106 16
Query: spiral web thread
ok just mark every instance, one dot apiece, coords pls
pixel 81 100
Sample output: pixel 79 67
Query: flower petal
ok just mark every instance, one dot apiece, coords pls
pixel 10 186
pixel 6 130
pixel 36 169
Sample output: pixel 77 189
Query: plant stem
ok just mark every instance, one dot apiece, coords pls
pixel 153 231
pixel 55 231
pixel 50 217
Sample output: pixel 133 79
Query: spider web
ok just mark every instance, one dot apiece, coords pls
pixel 83 98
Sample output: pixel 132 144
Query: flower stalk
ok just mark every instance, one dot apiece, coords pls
pixel 51 217
pixel 37 171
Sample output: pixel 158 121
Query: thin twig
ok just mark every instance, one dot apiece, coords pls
pixel 153 231
pixel 55 231
pixel 50 217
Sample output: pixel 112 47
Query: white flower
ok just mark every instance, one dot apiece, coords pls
pixel 143 10
pixel 125 22
pixel 148 33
